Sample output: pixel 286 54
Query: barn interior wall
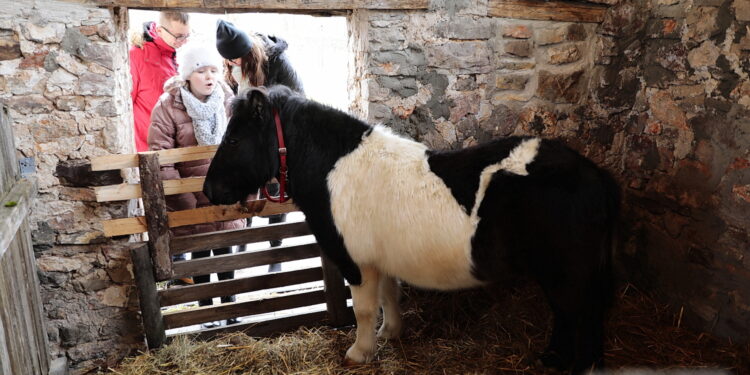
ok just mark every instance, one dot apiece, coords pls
pixel 658 93
pixel 63 76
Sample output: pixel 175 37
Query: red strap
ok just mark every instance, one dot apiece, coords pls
pixel 282 168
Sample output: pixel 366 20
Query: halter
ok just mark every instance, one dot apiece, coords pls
pixel 282 168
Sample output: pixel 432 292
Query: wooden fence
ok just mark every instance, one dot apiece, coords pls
pixel 23 339
pixel 152 262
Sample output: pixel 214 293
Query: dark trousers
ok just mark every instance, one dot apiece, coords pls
pixel 201 279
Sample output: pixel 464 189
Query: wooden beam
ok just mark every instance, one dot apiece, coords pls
pixel 184 318
pixel 172 155
pixel 237 237
pixel 277 5
pixel 229 262
pixel 155 207
pixel 14 207
pixel 336 295
pixel 547 10
pixel 132 225
pixel 143 270
pixel 123 192
pixel 182 294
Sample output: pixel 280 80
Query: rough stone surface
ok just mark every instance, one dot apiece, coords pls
pixel 63 76
pixel 563 54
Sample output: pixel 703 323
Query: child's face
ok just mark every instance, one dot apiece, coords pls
pixel 203 81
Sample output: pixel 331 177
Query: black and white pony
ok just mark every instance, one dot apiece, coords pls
pixel 383 207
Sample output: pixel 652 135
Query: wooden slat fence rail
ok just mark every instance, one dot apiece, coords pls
pixel 153 261
pixel 23 338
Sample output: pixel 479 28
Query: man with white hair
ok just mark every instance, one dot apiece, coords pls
pixel 152 62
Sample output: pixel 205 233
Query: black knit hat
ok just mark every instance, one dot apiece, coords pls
pixel 231 41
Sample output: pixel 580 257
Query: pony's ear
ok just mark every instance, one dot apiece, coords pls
pixel 257 100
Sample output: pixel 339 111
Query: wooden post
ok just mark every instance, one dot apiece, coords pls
pixel 338 313
pixel 153 323
pixel 157 222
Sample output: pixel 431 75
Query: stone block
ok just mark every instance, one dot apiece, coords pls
pixel 511 81
pixel 407 62
pixel 387 39
pixel 45 34
pixel 518 48
pixel 704 56
pixel 549 36
pixel 741 10
pixel 377 112
pixel 70 63
pixel 465 84
pixel 560 87
pixel 664 28
pixel 10 47
pixel 63 82
pixel 466 57
pixel 702 23
pixel 95 84
pixel 517 31
pixel 404 87
pixel 70 103
pixel 564 54
pixel 516 65
pixel 30 104
pixel 467 28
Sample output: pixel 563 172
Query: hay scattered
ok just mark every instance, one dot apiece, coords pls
pixel 455 333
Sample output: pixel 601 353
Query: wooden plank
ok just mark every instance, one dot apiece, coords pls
pixel 547 10
pixel 277 5
pixel 153 324
pixel 155 207
pixel 172 155
pixel 223 263
pixel 14 207
pixel 8 164
pixel 133 225
pixel 228 238
pixel 184 318
pixel 266 328
pixel 336 295
pixel 182 294
pixel 36 328
pixel 123 192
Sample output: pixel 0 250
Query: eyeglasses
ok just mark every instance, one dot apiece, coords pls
pixel 178 38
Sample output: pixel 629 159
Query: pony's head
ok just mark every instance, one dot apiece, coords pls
pixel 248 155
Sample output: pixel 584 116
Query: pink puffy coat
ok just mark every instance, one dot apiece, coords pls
pixel 171 127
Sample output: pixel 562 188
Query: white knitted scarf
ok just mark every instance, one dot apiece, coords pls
pixel 209 117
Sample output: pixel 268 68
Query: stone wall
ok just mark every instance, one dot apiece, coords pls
pixel 63 75
pixel 658 94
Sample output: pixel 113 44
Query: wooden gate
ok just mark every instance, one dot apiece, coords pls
pixel 152 262
pixel 23 339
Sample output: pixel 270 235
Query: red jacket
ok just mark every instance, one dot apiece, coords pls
pixel 152 62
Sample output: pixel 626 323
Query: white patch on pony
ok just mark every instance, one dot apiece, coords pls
pixel 397 216
pixel 515 163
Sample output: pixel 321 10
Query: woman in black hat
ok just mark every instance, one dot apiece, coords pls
pixel 255 60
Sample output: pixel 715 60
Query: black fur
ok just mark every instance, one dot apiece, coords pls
pixel 278 69
pixel 555 223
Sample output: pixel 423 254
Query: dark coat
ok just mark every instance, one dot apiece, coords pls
pixel 278 69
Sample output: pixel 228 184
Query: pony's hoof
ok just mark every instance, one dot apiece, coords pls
pixel 357 357
pixel 348 362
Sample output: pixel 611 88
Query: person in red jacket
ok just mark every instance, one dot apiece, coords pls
pixel 152 62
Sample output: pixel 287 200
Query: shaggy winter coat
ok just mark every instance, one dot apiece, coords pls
pixel 171 127
pixel 152 62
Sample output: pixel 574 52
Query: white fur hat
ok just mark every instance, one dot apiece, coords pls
pixel 192 56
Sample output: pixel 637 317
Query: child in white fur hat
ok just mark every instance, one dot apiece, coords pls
pixel 193 111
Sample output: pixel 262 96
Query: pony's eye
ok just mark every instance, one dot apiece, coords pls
pixel 231 141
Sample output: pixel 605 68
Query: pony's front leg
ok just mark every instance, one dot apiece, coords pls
pixel 389 296
pixel 365 299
